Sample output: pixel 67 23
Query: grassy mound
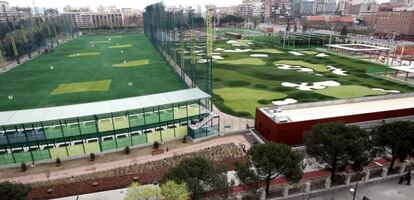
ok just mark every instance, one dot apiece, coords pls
pixel 241 99
pixel 315 67
pixel 242 61
pixel 349 91
pixel 267 51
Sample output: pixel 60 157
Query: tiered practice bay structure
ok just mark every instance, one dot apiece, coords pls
pixel 75 130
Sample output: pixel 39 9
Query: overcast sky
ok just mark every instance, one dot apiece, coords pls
pixel 118 3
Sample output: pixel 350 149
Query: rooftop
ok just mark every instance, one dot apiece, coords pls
pixel 101 107
pixel 329 111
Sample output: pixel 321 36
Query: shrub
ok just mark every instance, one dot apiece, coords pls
pixel 23 167
pixel 92 156
pixel 185 139
pixel 58 161
pixel 156 145
pixel 127 151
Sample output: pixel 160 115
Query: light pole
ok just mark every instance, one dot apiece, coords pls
pixel 354 191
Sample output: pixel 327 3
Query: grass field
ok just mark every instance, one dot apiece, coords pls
pixel 87 69
pixel 241 83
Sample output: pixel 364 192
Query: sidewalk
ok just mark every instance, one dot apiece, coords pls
pixel 77 171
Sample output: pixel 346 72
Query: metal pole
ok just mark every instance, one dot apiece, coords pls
pixel 355 191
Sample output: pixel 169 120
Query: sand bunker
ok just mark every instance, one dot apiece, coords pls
pixel 337 71
pixel 315 86
pixel 215 53
pixel 322 55
pixel 259 55
pixel 218 49
pixel 296 53
pixel 285 102
pixel 201 61
pixel 237 50
pixel 387 91
pixel 240 43
pixel 289 67
pixel 217 57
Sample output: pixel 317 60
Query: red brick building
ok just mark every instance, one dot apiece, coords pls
pixel 288 124
pixel 398 22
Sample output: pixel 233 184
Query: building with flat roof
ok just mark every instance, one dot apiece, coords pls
pixel 288 124
pixel 41 134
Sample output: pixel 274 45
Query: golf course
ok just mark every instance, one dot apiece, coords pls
pixel 247 74
pixel 87 69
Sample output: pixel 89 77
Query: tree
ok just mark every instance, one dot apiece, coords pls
pixel 143 192
pixel 336 144
pixel 344 30
pixel 199 174
pixel 398 137
pixel 246 175
pixel 174 191
pixel 14 191
pixel 272 160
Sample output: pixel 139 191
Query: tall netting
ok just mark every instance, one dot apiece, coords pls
pixel 180 36
pixel 20 37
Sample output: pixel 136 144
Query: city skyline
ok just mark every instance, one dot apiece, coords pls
pixel 93 4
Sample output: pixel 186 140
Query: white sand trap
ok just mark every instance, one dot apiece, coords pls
pixel 387 91
pixel 285 102
pixel 315 86
pixel 198 51
pixel 321 55
pixel 218 49
pixel 319 74
pixel 201 61
pixel 289 84
pixel 289 67
pixel 305 70
pixel 337 71
pixel 217 57
pixel 258 55
pixel 296 53
pixel 237 50
pixel 215 53
pixel 201 54
pixel 232 42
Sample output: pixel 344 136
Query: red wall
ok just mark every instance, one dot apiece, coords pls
pixel 292 133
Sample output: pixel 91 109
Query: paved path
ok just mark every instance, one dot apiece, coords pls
pixel 229 123
pixel 388 190
pixel 59 174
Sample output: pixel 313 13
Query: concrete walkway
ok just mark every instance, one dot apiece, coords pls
pixel 77 171
pixel 229 123
pixel 387 190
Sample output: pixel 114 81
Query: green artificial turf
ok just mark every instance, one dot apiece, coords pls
pixel 245 100
pixel 238 74
pixel 349 91
pixel 315 67
pixel 242 61
pixel 32 83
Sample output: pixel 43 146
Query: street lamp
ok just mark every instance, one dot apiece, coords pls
pixel 354 190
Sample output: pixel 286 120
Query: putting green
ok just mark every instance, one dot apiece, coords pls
pixel 242 61
pixel 99 42
pixel 267 51
pixel 89 86
pixel 120 46
pixel 132 63
pixel 241 99
pixel 83 54
pixel 316 67
pixel 349 91
pixel 309 52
